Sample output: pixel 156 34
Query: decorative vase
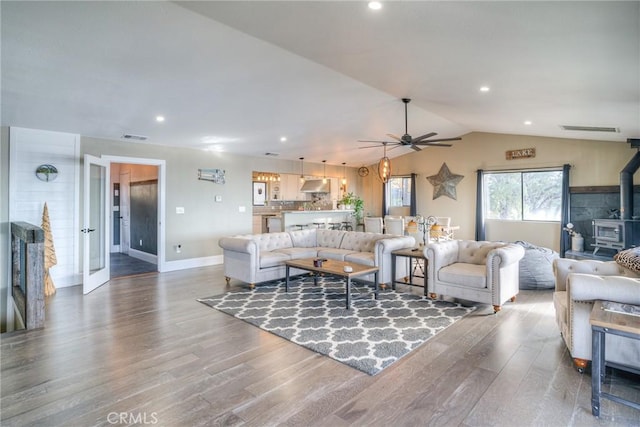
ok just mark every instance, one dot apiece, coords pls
pixel 577 243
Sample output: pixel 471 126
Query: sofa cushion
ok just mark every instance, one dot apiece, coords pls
pixel 298 253
pixel 470 275
pixel 472 252
pixel 337 254
pixel 271 241
pixel 364 258
pixel 629 258
pixel 304 238
pixel 272 258
pixel 329 238
pixel 361 242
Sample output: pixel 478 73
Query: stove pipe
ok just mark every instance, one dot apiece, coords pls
pixel 626 186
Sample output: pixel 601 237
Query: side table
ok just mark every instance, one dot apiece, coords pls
pixel 608 322
pixel 416 254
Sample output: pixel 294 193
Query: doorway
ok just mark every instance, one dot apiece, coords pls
pixel 135 195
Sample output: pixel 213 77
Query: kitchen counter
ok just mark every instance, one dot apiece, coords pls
pixel 292 219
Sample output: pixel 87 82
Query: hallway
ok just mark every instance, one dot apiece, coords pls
pixel 125 265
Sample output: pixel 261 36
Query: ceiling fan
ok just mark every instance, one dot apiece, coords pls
pixel 408 140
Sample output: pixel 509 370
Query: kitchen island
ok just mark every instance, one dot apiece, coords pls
pixel 294 220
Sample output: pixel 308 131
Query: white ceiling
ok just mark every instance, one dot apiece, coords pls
pixel 236 76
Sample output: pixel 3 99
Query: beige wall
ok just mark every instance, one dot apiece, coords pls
pixel 593 163
pixel 5 238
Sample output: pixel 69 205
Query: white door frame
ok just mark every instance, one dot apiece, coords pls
pixel 162 184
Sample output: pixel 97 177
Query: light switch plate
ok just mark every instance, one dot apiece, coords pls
pixel 179 210
pixel 242 209
pixel 218 198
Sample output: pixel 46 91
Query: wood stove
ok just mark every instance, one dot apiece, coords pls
pixel 617 234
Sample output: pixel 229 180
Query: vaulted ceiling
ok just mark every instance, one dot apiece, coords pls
pixel 238 76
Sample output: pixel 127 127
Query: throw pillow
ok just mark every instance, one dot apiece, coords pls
pixel 629 258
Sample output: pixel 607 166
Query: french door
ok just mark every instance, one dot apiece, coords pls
pixel 95 260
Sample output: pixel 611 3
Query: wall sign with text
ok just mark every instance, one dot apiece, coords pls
pixel 521 153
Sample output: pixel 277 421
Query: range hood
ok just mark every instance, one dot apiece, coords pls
pixel 316 186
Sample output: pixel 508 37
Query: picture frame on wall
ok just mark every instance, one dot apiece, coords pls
pixel 259 193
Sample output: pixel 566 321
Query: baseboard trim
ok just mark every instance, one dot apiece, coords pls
pixel 184 264
pixel 134 253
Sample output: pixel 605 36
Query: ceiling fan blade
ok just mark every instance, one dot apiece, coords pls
pixel 395 145
pixel 437 140
pixel 395 137
pixel 426 135
pixel 379 142
pixel 370 146
pixel 415 147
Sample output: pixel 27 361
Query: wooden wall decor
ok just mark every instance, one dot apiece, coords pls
pixel 521 153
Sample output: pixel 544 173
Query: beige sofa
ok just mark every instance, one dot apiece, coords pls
pixel 578 285
pixel 256 258
pixel 472 270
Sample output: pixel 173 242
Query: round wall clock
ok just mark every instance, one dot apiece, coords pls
pixel 46 172
pixel 363 171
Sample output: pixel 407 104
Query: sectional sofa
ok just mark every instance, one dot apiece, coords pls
pixel 256 258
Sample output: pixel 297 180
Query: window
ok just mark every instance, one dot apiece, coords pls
pixel 523 196
pixel 399 188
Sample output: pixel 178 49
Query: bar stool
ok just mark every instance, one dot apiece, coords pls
pixel 346 225
pixel 319 224
pixel 335 225
pixel 300 226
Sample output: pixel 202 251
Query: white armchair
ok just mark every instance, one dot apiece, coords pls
pixel 578 285
pixel 485 272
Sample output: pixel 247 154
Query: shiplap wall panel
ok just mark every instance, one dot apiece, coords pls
pixel 30 148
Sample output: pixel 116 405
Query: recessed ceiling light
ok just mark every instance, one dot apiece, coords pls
pixel 375 5
pixel 528 122
pixel 283 139
pixel 484 89
pixel 160 119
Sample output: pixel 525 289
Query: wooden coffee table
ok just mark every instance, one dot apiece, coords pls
pixel 337 269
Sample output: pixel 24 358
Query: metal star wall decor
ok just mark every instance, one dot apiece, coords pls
pixel 444 183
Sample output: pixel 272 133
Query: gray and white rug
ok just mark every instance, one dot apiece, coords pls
pixel 370 336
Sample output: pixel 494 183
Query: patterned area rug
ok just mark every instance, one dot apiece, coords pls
pixel 370 336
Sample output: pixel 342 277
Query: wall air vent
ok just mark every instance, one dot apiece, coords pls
pixel 135 137
pixel 272 154
pixel 591 128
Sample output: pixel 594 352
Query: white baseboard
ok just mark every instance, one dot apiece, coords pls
pixel 153 259
pixel 184 264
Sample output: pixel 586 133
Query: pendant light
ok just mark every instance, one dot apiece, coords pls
pixel 384 166
pixel 344 176
pixel 301 170
pixel 324 177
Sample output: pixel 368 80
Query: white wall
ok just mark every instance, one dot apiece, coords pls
pixel 28 149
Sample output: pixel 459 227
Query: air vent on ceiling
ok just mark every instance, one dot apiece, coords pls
pixel 272 154
pixel 136 137
pixel 591 128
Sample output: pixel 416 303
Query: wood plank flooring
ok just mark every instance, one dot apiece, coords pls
pixel 141 350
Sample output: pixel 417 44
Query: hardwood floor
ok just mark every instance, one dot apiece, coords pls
pixel 142 350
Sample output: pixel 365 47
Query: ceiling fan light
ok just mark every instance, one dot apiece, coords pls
pixel 384 169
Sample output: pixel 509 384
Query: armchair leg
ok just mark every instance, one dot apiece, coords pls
pixel 383 286
pixel 580 364
pixel 433 295
pixel 496 308
pixel 513 299
pixel 228 279
pixel 252 285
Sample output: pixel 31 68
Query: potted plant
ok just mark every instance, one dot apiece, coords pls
pixel 351 201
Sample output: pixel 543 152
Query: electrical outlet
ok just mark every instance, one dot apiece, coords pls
pixel 140 242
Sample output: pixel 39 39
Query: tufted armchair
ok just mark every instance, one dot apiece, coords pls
pixel 578 285
pixel 485 272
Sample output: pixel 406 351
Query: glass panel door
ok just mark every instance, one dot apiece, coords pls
pixel 95 271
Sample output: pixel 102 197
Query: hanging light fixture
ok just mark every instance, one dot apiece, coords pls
pixel 344 176
pixel 301 170
pixel 384 166
pixel 324 177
